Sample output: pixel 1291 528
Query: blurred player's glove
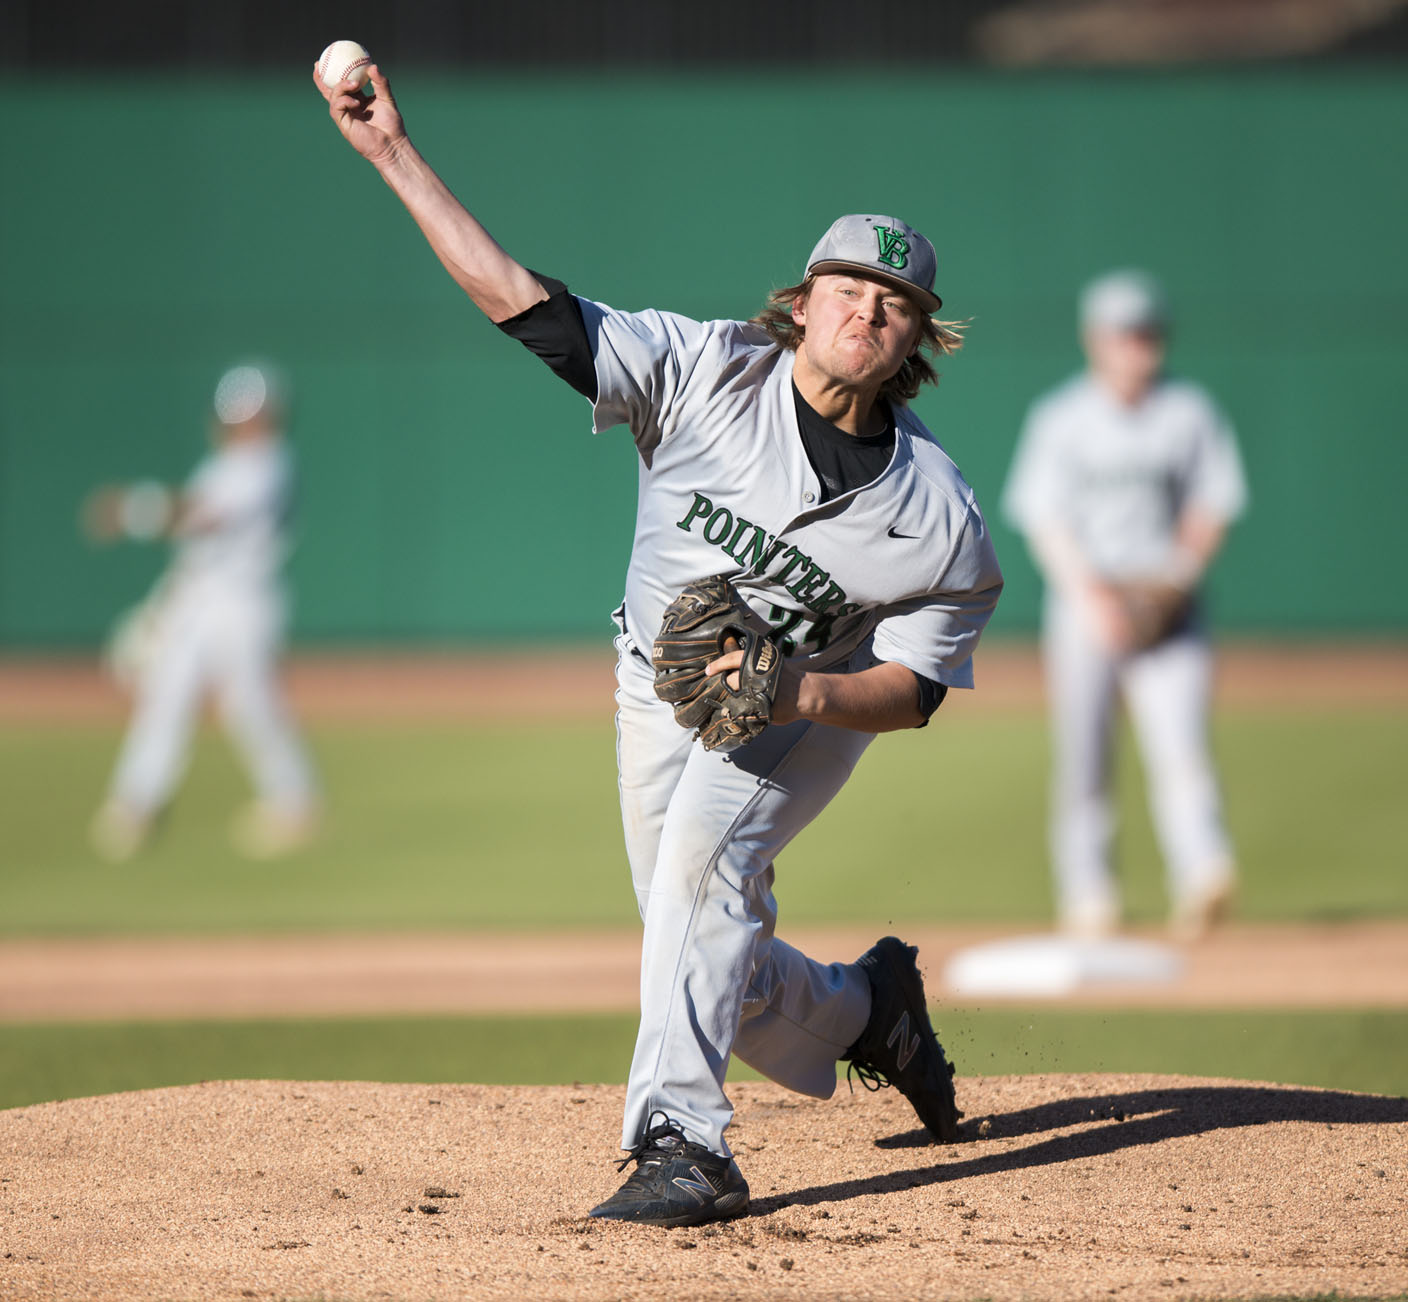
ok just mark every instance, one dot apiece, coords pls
pixel 704 622
pixel 1156 610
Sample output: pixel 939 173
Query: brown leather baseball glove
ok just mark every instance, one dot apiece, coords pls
pixel 705 621
pixel 1156 610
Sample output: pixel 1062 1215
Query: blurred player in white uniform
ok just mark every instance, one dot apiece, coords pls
pixel 1125 477
pixel 213 624
pixel 780 452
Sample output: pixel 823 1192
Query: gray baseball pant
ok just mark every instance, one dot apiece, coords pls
pixel 702 830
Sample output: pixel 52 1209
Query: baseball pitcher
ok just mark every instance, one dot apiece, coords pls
pixel 809 569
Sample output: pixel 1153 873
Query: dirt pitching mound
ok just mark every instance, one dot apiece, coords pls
pixel 1067 1186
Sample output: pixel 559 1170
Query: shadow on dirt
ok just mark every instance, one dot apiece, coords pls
pixel 1107 1123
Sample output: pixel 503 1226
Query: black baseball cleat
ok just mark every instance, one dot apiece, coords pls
pixel 898 1046
pixel 675 1182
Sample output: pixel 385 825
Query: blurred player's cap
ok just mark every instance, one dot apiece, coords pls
pixel 247 391
pixel 1124 300
pixel 880 246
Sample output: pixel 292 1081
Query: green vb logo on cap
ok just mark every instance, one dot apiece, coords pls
pixel 883 247
pixel 894 248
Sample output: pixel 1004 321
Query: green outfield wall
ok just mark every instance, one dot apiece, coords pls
pixel 154 231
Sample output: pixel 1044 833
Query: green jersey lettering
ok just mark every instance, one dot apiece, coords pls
pixel 758 551
pixel 702 506
pixel 731 546
pixel 808 583
pixel 723 519
pixel 776 547
pixel 834 592
pixel 749 554
pixel 797 559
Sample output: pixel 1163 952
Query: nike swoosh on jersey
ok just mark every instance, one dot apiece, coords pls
pixel 891 532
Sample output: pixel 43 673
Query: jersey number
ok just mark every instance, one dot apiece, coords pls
pixel 786 622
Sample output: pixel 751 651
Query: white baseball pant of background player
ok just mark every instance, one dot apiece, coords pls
pixel 1124 473
pixel 217 626
pixel 1167 690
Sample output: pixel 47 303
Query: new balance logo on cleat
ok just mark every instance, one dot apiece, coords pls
pixel 908 1056
pixel 700 1188
pixel 909 1046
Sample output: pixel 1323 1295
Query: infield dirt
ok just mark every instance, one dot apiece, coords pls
pixel 1065 1187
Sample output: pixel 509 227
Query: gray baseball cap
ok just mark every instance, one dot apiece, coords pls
pixel 884 247
pixel 247 391
pixel 1126 301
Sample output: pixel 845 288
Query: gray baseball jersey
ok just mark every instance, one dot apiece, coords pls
pixel 218 625
pixel 239 498
pixel 1117 477
pixel 900 570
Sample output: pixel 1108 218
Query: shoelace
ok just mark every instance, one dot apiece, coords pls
pixel 871 1078
pixel 667 1129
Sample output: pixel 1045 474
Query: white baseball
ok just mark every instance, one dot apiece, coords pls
pixel 343 61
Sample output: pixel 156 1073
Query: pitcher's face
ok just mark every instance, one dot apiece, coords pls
pixel 858 331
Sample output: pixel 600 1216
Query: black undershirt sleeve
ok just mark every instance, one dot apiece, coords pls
pixel 555 331
pixel 931 695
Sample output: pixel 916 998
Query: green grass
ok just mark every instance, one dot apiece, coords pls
pixel 490 827
pixel 1354 1050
